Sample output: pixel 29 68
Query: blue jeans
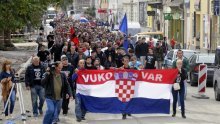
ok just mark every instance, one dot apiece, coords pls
pixel 37 91
pixel 79 110
pixel 185 86
pixel 181 93
pixel 57 111
pixel 11 102
pixel 52 107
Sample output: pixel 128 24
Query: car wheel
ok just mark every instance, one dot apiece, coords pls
pixel 191 80
pixel 217 95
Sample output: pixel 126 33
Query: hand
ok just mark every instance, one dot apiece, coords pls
pixel 9 78
pixel 112 67
pixel 48 69
pixel 28 88
pixel 71 98
pixel 67 96
pixel 76 70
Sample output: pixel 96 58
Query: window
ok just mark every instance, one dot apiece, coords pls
pixel 191 59
pixel 194 59
pixel 170 55
pixel 217 57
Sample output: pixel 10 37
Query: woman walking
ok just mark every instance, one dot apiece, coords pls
pixel 7 78
pixel 178 88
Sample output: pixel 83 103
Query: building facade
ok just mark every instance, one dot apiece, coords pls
pixel 198 25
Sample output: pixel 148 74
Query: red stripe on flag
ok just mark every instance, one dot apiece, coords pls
pixel 95 77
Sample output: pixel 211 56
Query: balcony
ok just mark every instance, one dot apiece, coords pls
pixel 176 4
pixel 155 3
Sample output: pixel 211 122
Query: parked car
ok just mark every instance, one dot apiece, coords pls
pixel 154 35
pixel 171 56
pixel 194 62
pixel 216 78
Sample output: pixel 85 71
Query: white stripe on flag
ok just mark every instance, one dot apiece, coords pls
pixel 142 90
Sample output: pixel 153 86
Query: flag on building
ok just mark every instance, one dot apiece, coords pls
pixel 126 91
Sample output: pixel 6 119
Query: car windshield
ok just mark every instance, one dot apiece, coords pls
pixel 205 59
pixel 188 54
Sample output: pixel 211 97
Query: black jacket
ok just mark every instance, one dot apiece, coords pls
pixel 73 59
pixel 110 53
pixel 30 74
pixel 141 49
pixel 182 76
pixel 48 84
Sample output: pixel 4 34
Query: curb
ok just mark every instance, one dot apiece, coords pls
pixel 23 67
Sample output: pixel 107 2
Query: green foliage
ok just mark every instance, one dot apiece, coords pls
pixel 91 11
pixel 17 13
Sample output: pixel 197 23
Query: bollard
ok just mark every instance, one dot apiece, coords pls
pixel 202 79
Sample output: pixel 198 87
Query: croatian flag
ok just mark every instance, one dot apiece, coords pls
pixel 126 91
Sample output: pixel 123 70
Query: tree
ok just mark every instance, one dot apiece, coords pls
pixel 91 11
pixel 15 14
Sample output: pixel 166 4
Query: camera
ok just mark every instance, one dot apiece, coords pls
pixel 51 67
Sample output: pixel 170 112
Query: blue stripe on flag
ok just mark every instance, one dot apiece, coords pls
pixel 134 106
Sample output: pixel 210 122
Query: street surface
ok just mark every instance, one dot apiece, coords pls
pixel 198 111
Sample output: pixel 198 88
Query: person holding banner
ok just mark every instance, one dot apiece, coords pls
pixel 79 110
pixel 150 60
pixel 185 66
pixel 179 88
pixel 125 61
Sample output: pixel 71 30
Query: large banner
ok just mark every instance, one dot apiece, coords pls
pixel 126 91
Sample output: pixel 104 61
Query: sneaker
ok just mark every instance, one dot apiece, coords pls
pixel 124 116
pixel 78 120
pixel 184 116
pixel 11 116
pixel 83 118
pixel 7 117
pixel 41 112
pixel 35 115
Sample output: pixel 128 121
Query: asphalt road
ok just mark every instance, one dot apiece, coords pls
pixel 200 111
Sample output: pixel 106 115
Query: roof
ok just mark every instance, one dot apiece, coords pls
pixel 205 54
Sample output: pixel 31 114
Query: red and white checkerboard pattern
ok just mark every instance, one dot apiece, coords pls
pixel 124 89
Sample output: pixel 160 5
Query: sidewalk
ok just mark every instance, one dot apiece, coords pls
pixel 27 44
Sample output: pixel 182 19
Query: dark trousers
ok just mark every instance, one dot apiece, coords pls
pixel 65 105
pixel 181 93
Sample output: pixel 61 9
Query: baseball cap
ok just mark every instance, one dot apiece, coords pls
pixel 64 57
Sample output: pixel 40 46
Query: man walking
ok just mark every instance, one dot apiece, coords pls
pixel 33 77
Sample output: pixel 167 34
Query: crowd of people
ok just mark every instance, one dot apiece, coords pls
pixel 74 46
